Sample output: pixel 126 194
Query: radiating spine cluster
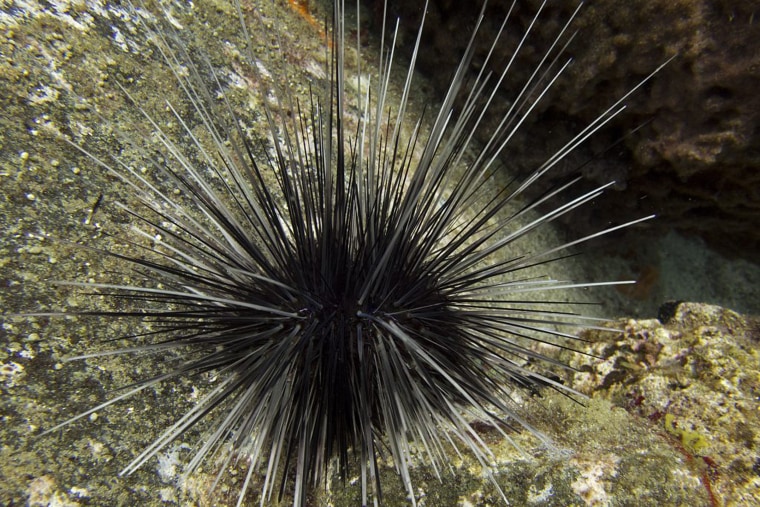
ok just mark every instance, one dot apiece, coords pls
pixel 365 298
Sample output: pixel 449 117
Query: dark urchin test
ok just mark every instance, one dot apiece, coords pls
pixel 351 290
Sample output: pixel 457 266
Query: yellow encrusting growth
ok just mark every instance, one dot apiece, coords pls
pixel 693 441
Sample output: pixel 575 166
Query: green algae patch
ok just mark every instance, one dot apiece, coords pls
pixel 693 441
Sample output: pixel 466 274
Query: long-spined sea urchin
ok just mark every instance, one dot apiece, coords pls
pixel 364 297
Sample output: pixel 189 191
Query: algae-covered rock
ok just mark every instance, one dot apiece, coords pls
pixel 672 419
pixel 694 378
pixel 601 455
pixel 60 62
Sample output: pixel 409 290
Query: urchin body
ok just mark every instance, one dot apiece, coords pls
pixel 367 300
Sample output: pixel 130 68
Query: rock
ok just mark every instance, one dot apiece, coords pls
pixel 694 379
pixel 693 161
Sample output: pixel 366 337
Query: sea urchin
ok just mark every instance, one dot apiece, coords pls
pixel 352 287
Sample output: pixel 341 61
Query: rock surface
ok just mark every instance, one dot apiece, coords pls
pixel 694 377
pixel 600 453
pixel 695 161
pixel 671 419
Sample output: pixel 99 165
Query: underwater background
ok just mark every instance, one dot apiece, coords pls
pixel 672 416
